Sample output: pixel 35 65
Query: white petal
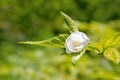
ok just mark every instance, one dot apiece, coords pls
pixel 77 36
pixel 82 46
pixel 84 36
pixel 67 49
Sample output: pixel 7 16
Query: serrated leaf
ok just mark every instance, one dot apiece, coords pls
pixel 110 40
pixel 112 54
pixel 57 41
pixel 96 47
pixel 70 23
pixel 116 40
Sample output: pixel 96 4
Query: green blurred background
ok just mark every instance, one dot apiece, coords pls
pixel 31 20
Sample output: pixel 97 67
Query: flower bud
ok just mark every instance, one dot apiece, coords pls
pixel 76 42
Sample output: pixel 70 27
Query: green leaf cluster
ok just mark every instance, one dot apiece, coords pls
pixel 108 46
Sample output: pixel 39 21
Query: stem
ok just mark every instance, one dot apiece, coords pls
pixel 77 57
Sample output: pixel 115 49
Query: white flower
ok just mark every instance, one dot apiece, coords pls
pixel 76 42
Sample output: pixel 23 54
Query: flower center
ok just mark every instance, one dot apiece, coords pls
pixel 76 44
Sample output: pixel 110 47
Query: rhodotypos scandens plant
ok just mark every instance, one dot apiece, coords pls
pixel 77 42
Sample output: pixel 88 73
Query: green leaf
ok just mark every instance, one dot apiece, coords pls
pixel 57 41
pixel 96 47
pixel 112 54
pixel 111 40
pixel 116 39
pixel 70 23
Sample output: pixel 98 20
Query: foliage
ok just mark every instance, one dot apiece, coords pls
pixel 102 47
pixel 33 20
pixel 108 47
